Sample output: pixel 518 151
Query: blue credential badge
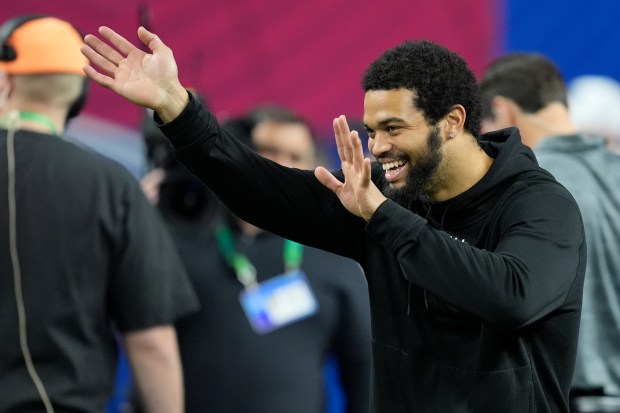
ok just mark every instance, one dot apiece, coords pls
pixel 279 301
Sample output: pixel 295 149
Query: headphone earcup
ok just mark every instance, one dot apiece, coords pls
pixel 7 54
pixel 79 103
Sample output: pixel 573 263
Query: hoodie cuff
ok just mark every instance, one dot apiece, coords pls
pixel 187 128
pixel 392 225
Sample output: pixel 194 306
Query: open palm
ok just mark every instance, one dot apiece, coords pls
pixel 146 79
pixel 358 194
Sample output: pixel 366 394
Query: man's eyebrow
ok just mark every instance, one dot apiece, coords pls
pixel 386 121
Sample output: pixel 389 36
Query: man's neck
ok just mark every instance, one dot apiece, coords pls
pixel 37 119
pixel 464 164
pixel 552 120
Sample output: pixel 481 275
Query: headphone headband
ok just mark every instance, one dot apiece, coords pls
pixel 7 53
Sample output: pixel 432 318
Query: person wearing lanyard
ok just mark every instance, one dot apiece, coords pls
pixel 86 261
pixel 273 312
pixel 277 302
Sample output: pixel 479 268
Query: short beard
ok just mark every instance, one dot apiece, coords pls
pixel 420 175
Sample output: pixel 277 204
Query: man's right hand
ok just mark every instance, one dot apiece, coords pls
pixel 358 194
pixel 148 80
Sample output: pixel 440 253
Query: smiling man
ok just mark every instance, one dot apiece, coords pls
pixel 408 178
pixel 476 273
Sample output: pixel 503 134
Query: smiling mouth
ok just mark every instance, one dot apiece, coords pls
pixel 391 165
pixel 393 169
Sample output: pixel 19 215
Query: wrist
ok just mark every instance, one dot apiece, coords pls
pixel 376 200
pixel 175 100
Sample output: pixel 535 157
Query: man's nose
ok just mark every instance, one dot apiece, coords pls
pixel 379 144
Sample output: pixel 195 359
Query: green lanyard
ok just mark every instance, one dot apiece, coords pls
pixel 244 270
pixel 41 119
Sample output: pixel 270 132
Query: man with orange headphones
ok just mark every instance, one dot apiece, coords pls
pixel 84 257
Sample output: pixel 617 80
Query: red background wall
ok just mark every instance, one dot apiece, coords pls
pixel 307 55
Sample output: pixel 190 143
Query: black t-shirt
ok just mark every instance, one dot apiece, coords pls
pixel 95 258
pixel 230 368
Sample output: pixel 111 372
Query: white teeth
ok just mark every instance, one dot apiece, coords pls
pixel 391 165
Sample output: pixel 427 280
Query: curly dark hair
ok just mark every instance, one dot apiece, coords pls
pixel 439 77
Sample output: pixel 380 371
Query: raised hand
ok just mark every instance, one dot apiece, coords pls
pixel 146 79
pixel 358 193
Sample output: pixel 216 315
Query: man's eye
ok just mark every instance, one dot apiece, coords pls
pixel 392 129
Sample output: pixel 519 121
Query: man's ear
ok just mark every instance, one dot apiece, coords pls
pixel 455 119
pixel 506 112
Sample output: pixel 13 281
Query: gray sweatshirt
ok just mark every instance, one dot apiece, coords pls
pixel 585 166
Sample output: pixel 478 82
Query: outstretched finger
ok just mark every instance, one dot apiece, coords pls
pixel 366 171
pixel 327 179
pixel 95 58
pixel 357 153
pixel 98 78
pixel 338 139
pixel 122 44
pixel 103 49
pixel 341 130
pixel 150 39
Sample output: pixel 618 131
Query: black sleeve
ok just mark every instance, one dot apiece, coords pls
pixel 149 285
pixel 528 275
pixel 287 201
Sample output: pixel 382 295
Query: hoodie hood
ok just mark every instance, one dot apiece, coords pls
pixel 511 159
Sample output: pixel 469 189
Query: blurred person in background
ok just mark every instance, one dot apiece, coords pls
pixel 85 259
pixel 231 363
pixel 527 91
pixel 594 107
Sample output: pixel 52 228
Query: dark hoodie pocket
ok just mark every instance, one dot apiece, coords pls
pixel 406 383
pixel 393 388
pixel 507 390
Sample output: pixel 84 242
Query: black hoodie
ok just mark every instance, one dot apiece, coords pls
pixel 475 302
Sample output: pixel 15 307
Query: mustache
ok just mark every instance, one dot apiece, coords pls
pixel 392 155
